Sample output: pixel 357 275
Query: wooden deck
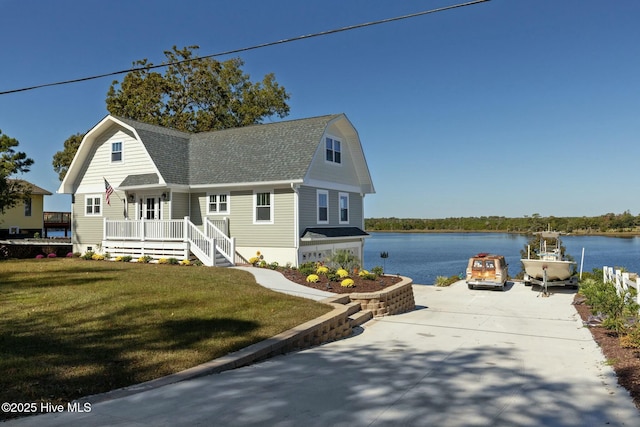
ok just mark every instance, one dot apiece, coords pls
pixel 56 221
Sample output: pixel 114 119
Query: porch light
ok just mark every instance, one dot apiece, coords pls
pixel 165 197
pixel 131 198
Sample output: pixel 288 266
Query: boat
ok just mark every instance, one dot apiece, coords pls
pixel 549 266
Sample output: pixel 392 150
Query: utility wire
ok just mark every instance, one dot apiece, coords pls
pixel 245 49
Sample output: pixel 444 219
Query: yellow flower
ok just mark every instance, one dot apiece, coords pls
pixel 322 270
pixel 347 283
pixel 185 262
pixel 342 273
pixel 313 278
pixel 363 273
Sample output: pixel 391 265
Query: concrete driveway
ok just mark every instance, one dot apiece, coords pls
pixel 462 358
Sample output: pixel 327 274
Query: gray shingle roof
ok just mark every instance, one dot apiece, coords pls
pixel 267 152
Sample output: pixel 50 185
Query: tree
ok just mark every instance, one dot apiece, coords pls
pixel 196 94
pixel 12 162
pixel 62 159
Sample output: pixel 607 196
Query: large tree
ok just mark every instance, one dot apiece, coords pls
pixel 62 159
pixel 196 94
pixel 12 162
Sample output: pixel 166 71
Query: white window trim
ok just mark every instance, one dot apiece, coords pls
pixel 318 193
pixel 219 212
pixel 93 196
pixel 333 162
pixel 340 196
pixel 121 152
pixel 255 207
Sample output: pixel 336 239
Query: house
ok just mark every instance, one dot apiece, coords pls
pixel 292 190
pixel 25 218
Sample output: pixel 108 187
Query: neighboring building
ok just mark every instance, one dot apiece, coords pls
pixel 26 217
pixel 292 190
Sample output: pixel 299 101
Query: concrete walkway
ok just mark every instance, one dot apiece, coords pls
pixel 462 358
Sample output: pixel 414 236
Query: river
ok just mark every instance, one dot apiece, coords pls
pixel 424 256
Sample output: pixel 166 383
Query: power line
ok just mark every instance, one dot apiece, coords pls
pixel 245 49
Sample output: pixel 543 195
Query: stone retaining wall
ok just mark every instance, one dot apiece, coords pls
pixel 395 299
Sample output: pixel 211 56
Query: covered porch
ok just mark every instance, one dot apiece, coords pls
pixel 173 238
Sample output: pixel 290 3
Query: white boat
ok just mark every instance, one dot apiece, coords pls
pixel 550 265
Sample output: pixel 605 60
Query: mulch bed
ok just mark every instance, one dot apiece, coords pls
pixel 360 285
pixel 624 361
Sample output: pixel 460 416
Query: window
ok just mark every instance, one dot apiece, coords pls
pixel 27 207
pixel 344 208
pixel 264 208
pixel 93 204
pixel 333 150
pixel 323 206
pixel 116 152
pixel 218 204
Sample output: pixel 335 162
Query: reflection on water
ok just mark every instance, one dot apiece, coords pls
pixel 424 256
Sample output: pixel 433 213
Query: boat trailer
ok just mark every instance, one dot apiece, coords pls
pixel 544 284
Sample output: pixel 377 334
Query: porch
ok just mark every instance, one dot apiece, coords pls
pixel 174 238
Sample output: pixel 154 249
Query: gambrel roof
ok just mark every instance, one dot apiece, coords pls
pixel 263 153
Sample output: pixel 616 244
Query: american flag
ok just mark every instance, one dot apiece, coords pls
pixel 108 190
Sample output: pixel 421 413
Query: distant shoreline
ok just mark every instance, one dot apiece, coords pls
pixel 627 234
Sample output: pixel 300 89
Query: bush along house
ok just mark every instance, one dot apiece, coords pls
pixel 292 190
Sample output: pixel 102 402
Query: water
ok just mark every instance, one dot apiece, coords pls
pixel 424 256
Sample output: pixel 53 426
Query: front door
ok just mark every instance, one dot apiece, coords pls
pixel 150 207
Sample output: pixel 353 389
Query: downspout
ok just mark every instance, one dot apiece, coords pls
pixel 296 225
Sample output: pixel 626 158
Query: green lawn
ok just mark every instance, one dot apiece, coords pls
pixel 71 328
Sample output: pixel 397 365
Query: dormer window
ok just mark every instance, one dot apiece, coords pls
pixel 333 150
pixel 116 152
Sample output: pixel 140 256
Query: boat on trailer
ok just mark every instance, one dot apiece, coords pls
pixel 549 268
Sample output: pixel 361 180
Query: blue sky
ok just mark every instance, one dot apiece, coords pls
pixel 510 107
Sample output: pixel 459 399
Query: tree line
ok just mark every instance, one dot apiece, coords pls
pixel 607 223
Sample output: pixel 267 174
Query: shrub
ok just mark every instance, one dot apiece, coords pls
pixel 51 255
pixel 88 255
pixel 620 311
pixel 127 258
pixel 342 273
pixel 347 283
pixel 145 259
pixel 377 270
pixel 313 278
pixel 69 254
pixel 344 259
pixel 39 256
pixel 185 262
pixel 97 257
pixel 368 276
pixel 173 261
pixel 163 261
pixel 307 268
pixel 118 259
pixel 441 281
pixel 274 265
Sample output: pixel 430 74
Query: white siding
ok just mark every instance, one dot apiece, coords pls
pixel 135 160
pixel 340 173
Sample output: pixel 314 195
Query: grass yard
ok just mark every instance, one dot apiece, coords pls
pixel 71 328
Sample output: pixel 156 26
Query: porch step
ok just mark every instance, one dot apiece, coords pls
pixel 360 317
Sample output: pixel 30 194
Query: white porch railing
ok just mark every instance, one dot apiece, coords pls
pixel 201 244
pixel 218 230
pixel 621 280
